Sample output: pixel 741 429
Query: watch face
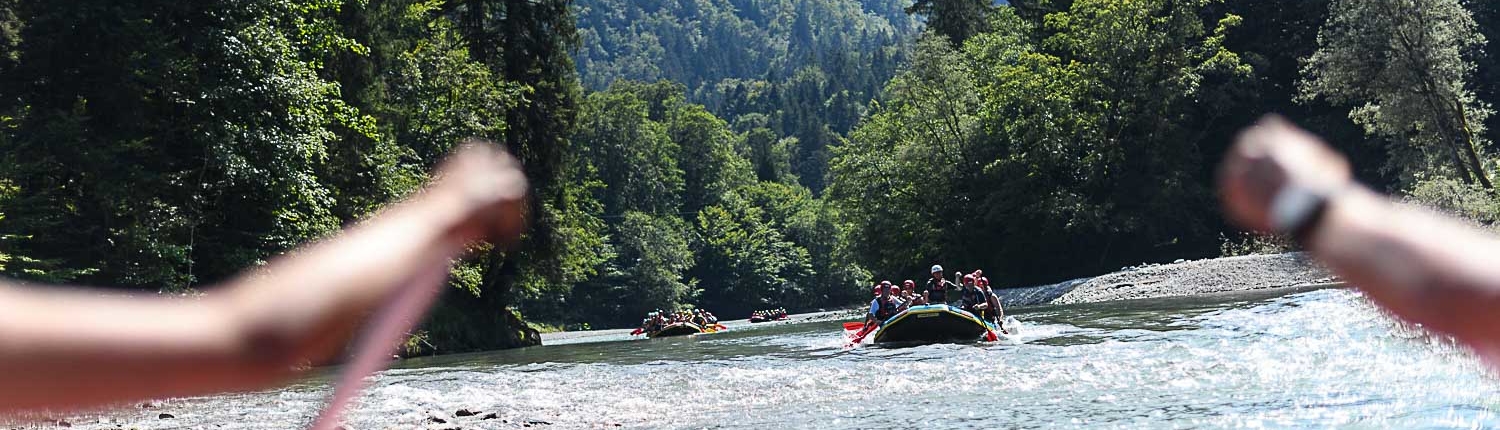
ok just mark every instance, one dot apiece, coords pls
pixel 1293 206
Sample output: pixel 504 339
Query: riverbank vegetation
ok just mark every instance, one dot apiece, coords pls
pixel 728 154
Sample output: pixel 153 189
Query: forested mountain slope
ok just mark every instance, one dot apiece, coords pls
pixel 799 68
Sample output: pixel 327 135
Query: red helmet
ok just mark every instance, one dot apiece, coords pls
pixel 909 284
pixel 983 281
pixel 885 283
pixel 968 279
pixel 878 287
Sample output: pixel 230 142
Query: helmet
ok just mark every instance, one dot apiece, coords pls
pixel 937 268
pixel 984 281
pixel 885 283
pixel 909 284
pixel 968 279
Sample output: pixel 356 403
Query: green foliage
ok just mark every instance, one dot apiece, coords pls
pixel 10 34
pixel 417 343
pixel 807 69
pixel 136 154
pixel 895 177
pixel 631 153
pixel 1469 202
pixel 956 20
pixel 1406 66
pixel 814 241
pixel 770 157
pixel 164 145
pixel 675 189
pixel 1077 145
pixel 652 255
pixel 711 164
pixel 746 262
pixel 1249 243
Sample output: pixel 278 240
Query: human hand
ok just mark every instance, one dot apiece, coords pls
pixel 1269 156
pixel 489 186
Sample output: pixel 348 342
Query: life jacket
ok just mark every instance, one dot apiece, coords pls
pixel 937 291
pixel 887 308
pixel 973 296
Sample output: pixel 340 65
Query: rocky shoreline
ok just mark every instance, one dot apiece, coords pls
pixel 1182 278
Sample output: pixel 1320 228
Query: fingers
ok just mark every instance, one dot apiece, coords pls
pixel 1267 157
pixel 492 187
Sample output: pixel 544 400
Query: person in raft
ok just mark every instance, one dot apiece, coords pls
pixel 995 311
pixel 1426 269
pixel 910 295
pixel 973 299
pixel 67 349
pixel 937 287
pixel 885 306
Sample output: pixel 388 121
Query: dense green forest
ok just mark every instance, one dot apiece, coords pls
pixel 800 69
pixel 725 154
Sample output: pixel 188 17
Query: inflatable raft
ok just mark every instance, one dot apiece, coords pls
pixel 676 329
pixel 933 324
pixel 684 329
pixel 760 319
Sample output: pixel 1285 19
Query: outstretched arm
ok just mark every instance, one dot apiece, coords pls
pixel 1424 268
pixel 70 349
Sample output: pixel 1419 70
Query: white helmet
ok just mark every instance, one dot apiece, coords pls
pixel 936 268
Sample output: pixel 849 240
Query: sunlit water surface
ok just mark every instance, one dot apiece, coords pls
pixel 1311 359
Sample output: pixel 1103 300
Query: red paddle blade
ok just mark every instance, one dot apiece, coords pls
pixel 860 337
pixel 636 332
pixel 854 326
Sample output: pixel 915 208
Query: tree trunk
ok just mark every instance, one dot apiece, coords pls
pixel 1468 146
pixel 1458 161
pixel 1452 137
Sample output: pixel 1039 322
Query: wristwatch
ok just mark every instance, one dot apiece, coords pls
pixel 1297 210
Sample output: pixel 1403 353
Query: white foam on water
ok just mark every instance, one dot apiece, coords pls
pixel 1318 359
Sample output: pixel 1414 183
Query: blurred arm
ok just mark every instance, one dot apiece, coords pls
pixel 69 349
pixel 1425 268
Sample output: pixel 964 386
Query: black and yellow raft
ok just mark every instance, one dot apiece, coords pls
pixel 933 324
pixel 684 329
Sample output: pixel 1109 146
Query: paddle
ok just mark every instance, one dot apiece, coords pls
pixel 636 332
pixel 862 329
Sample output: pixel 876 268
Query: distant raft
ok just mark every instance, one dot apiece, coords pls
pixel 761 319
pixel 934 324
pixel 684 329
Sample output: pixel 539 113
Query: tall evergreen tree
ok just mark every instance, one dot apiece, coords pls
pixel 529 43
pixel 957 20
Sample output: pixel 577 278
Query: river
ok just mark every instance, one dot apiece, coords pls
pixel 1306 359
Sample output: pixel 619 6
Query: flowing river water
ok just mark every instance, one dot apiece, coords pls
pixel 1324 358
